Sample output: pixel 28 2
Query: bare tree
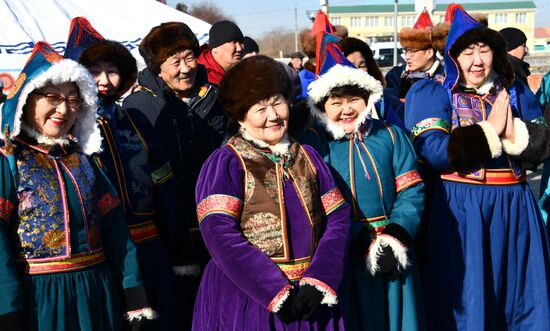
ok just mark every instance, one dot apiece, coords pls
pixel 181 7
pixel 275 41
pixel 209 12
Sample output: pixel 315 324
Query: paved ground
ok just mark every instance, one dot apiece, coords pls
pixel 533 178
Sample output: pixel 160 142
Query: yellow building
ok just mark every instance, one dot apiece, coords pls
pixel 376 22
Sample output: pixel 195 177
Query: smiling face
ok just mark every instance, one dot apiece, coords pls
pixel 228 54
pixel 47 119
pixel 267 120
pixel 476 64
pixel 107 78
pixel 179 72
pixel 345 110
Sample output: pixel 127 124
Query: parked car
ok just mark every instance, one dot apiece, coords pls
pixel 383 53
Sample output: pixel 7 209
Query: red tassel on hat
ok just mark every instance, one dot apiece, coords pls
pixel 450 12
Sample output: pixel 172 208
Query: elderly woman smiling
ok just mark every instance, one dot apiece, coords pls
pixel 66 251
pixel 487 263
pixel 271 216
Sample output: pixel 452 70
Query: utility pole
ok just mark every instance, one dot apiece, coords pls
pixel 324 6
pixel 295 28
pixel 395 10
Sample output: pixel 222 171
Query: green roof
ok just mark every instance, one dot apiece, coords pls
pixel 440 7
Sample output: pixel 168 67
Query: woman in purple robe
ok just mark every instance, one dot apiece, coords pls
pixel 271 216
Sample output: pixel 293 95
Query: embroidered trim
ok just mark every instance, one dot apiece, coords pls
pixel 407 180
pixel 143 231
pixel 332 200
pixel 6 209
pixel 430 124
pixel 162 174
pixel 277 302
pixel 147 313
pixel 330 295
pixel 521 139
pixel 219 204
pixel 107 203
pixel 77 262
pixel 540 121
pixel 295 269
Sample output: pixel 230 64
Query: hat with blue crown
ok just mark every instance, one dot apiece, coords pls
pixel 81 35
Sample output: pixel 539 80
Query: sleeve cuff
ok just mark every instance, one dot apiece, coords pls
pixel 138 315
pixel 495 146
pixel 277 302
pixel 521 139
pixel 329 295
pixel 187 270
pixel 399 250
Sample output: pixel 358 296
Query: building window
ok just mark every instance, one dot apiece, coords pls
pixel 388 21
pixel 335 20
pixel 501 18
pixel 407 20
pixel 371 21
pixel 521 18
pixel 355 22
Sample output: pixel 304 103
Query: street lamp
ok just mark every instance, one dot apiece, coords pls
pixel 395 9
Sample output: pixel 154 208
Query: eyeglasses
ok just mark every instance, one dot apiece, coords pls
pixel 412 51
pixel 56 99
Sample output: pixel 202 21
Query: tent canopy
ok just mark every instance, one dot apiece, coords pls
pixel 23 23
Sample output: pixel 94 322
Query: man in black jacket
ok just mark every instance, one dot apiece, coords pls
pixel 175 96
pixel 517 50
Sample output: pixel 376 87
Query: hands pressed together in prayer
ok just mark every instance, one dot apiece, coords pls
pixel 501 116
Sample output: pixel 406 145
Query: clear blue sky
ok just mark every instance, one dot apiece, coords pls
pixel 255 17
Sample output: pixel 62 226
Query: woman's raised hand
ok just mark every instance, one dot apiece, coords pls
pixel 499 113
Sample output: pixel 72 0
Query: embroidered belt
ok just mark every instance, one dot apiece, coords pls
pixel 492 177
pixel 295 269
pixel 143 231
pixel 74 263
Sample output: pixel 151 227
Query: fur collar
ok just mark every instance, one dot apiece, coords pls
pixel 279 149
pixel 336 131
pixel 42 139
pixel 486 87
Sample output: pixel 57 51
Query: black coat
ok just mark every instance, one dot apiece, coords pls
pixel 521 68
pixel 189 134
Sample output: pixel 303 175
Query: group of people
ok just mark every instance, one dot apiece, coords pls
pixel 183 202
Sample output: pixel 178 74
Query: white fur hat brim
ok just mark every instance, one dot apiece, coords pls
pixel 85 128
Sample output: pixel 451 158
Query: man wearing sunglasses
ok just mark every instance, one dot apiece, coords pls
pixel 421 62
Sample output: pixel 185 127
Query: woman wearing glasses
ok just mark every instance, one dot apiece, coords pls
pixel 65 250
pixel 487 261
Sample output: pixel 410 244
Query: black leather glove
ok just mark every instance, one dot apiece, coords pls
pixel 141 325
pixel 290 311
pixel 12 321
pixel 309 298
pixel 387 264
pixel 361 243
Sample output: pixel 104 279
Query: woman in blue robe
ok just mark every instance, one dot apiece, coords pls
pixel 375 167
pixel 487 262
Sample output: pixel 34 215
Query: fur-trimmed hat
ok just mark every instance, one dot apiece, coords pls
pixel 250 81
pixel 419 36
pixel 307 40
pixel 45 66
pixel 164 41
pixel 112 52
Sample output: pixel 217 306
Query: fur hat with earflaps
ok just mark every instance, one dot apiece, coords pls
pixel 419 36
pixel 250 81
pixel 166 40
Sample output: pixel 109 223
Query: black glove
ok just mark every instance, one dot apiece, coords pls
pixel 12 321
pixel 142 324
pixel 387 263
pixel 309 298
pixel 290 311
pixel 361 243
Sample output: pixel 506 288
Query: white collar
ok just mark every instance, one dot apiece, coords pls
pixel 279 149
pixel 43 139
pixel 336 131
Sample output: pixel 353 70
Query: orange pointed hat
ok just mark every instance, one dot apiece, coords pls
pixel 419 36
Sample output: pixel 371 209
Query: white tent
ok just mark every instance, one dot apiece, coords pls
pixel 24 22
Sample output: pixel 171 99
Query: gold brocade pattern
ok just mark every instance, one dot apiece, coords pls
pixel 265 232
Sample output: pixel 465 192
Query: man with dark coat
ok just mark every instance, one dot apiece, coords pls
pixel 224 50
pixel 175 96
pixel 422 62
pixel 517 50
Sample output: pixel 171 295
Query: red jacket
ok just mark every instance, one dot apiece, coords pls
pixel 213 68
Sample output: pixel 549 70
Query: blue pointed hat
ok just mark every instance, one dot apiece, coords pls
pixel 462 23
pixel 329 53
pixel 45 66
pixel 81 35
